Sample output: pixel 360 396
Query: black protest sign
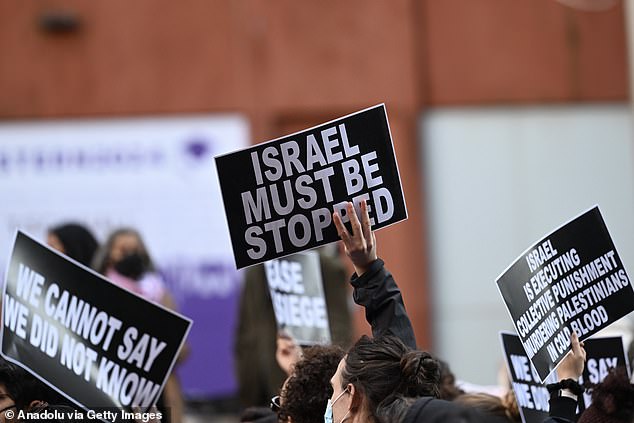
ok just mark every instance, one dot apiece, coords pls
pixel 571 280
pixel 96 343
pixel 602 355
pixel 531 395
pixel 279 196
pixel 298 298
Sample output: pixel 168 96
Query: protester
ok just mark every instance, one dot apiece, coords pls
pixel 612 400
pixel 367 386
pixel 564 395
pixel 374 371
pixel 74 240
pixel 21 392
pixel 125 260
pixel 259 376
pixel 305 393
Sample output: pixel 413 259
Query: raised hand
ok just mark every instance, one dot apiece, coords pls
pixel 571 367
pixel 360 246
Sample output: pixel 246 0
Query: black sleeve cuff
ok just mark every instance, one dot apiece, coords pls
pixel 361 281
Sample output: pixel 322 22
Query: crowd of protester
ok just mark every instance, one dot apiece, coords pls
pixel 380 379
pixel 386 379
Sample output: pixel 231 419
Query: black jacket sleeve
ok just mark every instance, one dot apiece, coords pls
pixel 384 309
pixel 562 410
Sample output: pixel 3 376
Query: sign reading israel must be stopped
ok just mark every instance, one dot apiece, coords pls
pixel 571 280
pixel 279 196
pixel 94 342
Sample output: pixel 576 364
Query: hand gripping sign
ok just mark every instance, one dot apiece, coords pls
pixel 603 354
pixel 571 280
pixel 279 196
pixel 96 343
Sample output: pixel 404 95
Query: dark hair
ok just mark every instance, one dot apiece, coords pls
pixel 79 243
pixel 448 389
pixel 102 258
pixel 383 368
pixel 307 389
pixel 490 404
pixel 11 378
pixel 612 399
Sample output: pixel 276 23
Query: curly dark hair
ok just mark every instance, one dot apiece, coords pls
pixel 307 389
pixel 612 399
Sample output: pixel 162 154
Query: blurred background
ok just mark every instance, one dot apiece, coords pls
pixel 508 119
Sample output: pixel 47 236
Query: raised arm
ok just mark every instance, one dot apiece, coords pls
pixel 374 286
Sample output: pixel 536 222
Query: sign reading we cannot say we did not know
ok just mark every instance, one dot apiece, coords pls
pixel 279 196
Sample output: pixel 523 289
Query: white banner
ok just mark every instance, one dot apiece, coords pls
pixel 153 174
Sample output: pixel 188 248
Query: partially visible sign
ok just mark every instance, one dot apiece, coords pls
pixel 139 172
pixel 531 395
pixel 571 280
pixel 279 196
pixel 297 294
pixel 94 342
pixel 602 355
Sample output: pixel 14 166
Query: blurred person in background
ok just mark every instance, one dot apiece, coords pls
pixel 259 375
pixel 125 260
pixel 74 240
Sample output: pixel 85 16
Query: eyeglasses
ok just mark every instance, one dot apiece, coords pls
pixel 275 403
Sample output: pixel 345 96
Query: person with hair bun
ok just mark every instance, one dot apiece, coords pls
pixel 374 372
pixel 385 379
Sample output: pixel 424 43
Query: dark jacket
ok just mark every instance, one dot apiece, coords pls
pixel 377 292
pixel 433 410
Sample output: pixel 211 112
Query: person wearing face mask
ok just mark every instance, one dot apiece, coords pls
pixel 373 373
pixel 125 260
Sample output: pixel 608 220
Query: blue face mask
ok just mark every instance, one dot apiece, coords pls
pixel 328 414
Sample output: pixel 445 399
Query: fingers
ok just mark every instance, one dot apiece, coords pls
pixel 354 220
pixel 341 228
pixel 574 340
pixel 362 227
pixel 365 222
pixel 577 346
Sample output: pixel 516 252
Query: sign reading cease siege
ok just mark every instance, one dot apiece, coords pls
pixel 298 298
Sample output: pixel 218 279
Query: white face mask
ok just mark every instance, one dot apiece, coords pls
pixel 328 414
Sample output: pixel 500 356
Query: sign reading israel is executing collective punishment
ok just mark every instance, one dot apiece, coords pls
pixel 297 295
pixel 572 280
pixel 279 196
pixel 94 342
